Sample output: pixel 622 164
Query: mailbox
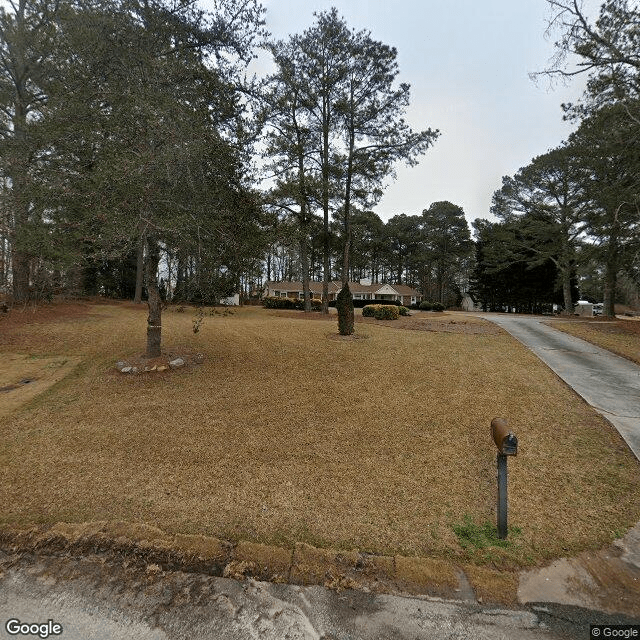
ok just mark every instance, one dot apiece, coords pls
pixel 504 438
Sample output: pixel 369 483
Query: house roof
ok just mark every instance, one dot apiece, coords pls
pixel 336 285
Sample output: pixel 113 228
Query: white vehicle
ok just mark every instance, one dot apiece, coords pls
pixel 598 308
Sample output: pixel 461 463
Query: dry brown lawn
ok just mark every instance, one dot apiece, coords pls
pixel 619 336
pixel 284 434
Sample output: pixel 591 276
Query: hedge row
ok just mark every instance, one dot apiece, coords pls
pixel 360 304
pixel 316 305
pixel 431 306
pixel 272 302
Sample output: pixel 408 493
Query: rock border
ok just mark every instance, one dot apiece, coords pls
pixel 157 365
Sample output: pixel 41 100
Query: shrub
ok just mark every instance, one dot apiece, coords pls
pixel 426 306
pixel 438 306
pixel 272 302
pixel 316 305
pixel 403 311
pixel 360 304
pixel 369 311
pixel 386 312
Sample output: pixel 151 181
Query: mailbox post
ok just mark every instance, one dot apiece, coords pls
pixel 507 444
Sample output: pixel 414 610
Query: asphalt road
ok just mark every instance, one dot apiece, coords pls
pixel 609 383
pixel 98 598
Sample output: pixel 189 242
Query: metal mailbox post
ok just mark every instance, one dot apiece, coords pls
pixel 507 444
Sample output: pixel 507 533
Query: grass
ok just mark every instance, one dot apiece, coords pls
pixel 285 434
pixel 481 540
pixel 619 336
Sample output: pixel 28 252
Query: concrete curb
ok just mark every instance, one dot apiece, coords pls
pixel 607 580
pixel 303 565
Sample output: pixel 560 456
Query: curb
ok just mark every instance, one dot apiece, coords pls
pixel 303 565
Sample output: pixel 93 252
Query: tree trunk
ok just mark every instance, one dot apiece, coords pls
pixel 566 293
pixel 611 270
pixel 304 258
pixel 610 278
pixel 137 298
pixel 326 244
pixel 154 326
pixel 20 274
pixel 347 210
pixel 18 171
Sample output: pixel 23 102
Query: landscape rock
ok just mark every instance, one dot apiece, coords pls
pixel 177 363
pixel 126 369
pixel 162 367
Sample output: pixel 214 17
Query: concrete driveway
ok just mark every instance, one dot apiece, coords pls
pixel 609 383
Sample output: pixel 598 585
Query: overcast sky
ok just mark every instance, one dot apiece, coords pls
pixel 468 64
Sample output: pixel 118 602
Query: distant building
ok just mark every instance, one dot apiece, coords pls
pixel 362 290
pixel 583 308
pixel 468 303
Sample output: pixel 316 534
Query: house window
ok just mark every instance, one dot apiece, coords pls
pixel 413 299
pixel 357 296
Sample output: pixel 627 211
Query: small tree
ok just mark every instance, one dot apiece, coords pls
pixel 344 304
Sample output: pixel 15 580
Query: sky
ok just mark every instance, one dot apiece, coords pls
pixel 468 64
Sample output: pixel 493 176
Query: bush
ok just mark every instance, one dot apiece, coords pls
pixel 360 304
pixel 386 312
pixel 272 302
pixel 431 306
pixel 383 311
pixel 403 311
pixel 289 303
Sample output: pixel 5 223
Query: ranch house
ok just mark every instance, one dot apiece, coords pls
pixel 362 290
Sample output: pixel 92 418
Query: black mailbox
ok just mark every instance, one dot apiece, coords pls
pixel 504 438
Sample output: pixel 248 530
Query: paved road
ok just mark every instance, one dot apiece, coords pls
pixel 609 383
pixel 94 598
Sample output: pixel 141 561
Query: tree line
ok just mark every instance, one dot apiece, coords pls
pixel 572 214
pixel 132 142
pixel 432 252
pixel 130 134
